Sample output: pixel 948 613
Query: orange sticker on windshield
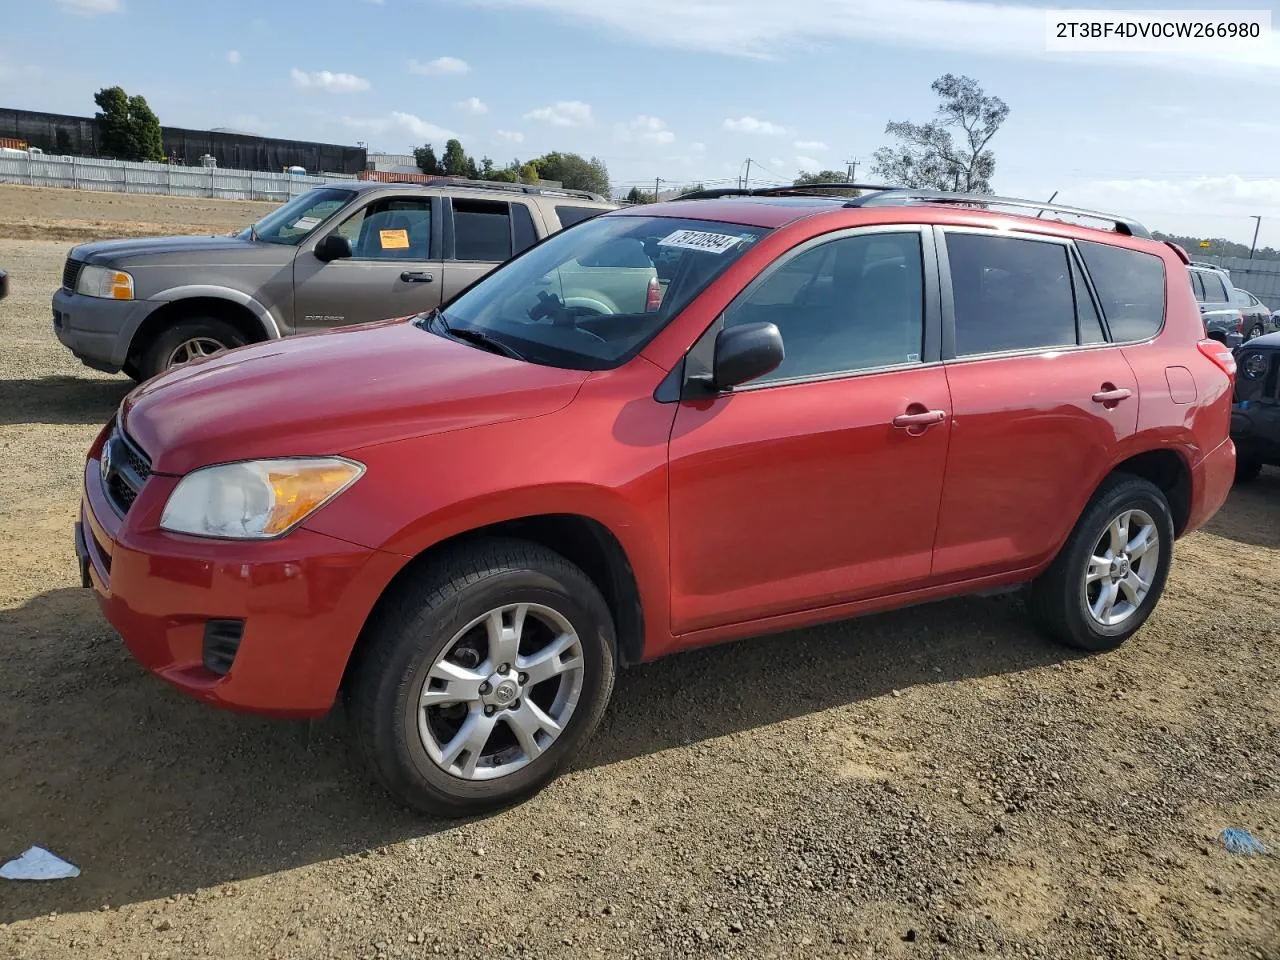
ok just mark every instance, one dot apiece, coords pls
pixel 394 239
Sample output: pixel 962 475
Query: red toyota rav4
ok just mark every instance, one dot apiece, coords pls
pixel 665 427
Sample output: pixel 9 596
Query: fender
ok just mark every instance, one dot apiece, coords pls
pixel 269 325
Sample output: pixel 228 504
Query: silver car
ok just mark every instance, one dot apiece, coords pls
pixel 344 253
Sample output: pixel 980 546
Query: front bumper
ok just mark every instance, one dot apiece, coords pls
pixel 1255 428
pixel 302 601
pixel 98 331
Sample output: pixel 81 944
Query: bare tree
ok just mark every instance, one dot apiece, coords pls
pixel 927 155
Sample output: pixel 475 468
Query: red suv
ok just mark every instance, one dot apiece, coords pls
pixel 665 427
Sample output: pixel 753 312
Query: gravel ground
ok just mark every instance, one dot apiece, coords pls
pixel 937 782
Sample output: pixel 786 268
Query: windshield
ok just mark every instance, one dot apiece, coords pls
pixel 301 215
pixel 591 297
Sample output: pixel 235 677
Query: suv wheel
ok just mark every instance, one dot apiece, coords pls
pixel 480 679
pixel 1109 576
pixel 1255 331
pixel 1247 470
pixel 185 341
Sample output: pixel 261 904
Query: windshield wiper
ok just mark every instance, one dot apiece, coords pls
pixel 471 335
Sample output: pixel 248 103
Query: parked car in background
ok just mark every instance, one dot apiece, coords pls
pixel 1257 315
pixel 1255 416
pixel 465 522
pixel 341 254
pixel 1222 315
pixel 4 284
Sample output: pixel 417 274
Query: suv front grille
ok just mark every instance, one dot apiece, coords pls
pixel 125 469
pixel 71 274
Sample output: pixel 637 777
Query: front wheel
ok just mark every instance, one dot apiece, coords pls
pixel 1110 574
pixel 187 340
pixel 479 680
pixel 1255 331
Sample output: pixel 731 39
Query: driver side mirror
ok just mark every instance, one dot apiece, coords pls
pixel 745 352
pixel 333 247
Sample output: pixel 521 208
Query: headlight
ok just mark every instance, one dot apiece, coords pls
pixel 105 282
pixel 257 499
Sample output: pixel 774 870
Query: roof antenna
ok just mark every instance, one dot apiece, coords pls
pixel 1050 200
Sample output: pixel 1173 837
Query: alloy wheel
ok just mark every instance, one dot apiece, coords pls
pixel 1122 568
pixel 193 349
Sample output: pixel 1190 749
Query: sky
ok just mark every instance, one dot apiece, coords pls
pixel 686 90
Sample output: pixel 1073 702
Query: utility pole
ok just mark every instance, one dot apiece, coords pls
pixel 746 182
pixel 1256 228
pixel 656 181
pixel 853 169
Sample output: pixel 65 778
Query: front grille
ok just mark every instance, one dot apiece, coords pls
pixel 71 274
pixel 125 469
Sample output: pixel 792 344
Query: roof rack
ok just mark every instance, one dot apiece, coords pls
pixel 793 190
pixel 432 181
pixel 891 196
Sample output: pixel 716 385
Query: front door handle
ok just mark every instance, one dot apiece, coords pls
pixel 1110 396
pixel 916 423
pixel 416 276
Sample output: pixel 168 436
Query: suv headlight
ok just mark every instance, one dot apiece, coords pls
pixel 255 499
pixel 105 282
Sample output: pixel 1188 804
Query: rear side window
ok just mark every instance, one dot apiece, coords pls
pixel 569 215
pixel 482 230
pixel 1197 288
pixel 1214 290
pixel 1010 294
pixel 1130 286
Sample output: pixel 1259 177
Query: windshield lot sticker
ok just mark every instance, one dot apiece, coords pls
pixel 307 223
pixel 394 239
pixel 716 243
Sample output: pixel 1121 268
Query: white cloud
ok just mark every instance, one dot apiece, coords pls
pixel 88 8
pixel 563 113
pixel 439 66
pixel 397 121
pixel 511 136
pixel 472 105
pixel 233 57
pixel 328 81
pixel 1224 195
pixel 810 145
pixel 644 129
pixel 808 163
pixel 755 126
pixel 767 29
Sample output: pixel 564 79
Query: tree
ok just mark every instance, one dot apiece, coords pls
pixel 690 188
pixel 927 155
pixel 425 157
pixel 526 173
pixel 455 162
pixel 574 172
pixel 130 130
pixel 827 176
pixel 636 195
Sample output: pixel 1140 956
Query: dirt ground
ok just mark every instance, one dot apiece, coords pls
pixel 937 782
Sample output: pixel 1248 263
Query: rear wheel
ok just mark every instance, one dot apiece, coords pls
pixel 1110 574
pixel 187 340
pixel 482 678
pixel 1255 331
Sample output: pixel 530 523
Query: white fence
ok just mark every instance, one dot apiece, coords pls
pixel 115 176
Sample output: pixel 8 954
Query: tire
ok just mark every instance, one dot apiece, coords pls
pixel 1060 601
pixel 155 358
pixel 427 620
pixel 1255 331
pixel 1247 470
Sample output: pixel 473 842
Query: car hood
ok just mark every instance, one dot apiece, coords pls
pixel 332 393
pixel 149 249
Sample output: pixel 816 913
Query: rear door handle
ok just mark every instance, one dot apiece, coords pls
pixel 1109 394
pixel 416 276
pixel 910 421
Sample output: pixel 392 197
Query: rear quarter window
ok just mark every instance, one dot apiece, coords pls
pixel 1130 287
pixel 568 215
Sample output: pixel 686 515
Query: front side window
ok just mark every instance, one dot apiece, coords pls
pixel 855 303
pixel 1010 294
pixel 298 218
pixel 590 298
pixel 1130 286
pixel 396 228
